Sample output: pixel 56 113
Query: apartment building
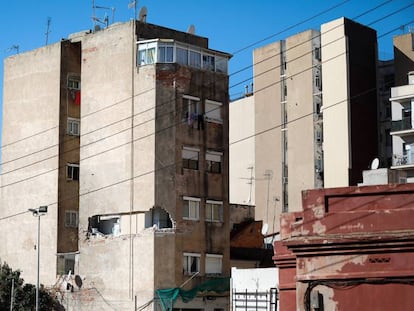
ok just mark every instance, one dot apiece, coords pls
pixel 402 102
pixel 123 134
pixel 315 114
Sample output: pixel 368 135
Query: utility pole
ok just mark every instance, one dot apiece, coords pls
pixel 12 295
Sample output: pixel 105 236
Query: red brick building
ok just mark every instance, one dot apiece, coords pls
pixel 350 248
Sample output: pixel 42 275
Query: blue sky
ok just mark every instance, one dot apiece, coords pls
pixel 230 25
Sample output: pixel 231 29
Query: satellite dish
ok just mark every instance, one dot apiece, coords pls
pixel 78 281
pixel 191 29
pixel 374 164
pixel 143 14
pixel 265 228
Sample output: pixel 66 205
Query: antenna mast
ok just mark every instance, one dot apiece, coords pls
pixel 49 20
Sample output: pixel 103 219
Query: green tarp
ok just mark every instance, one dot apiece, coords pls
pixel 169 296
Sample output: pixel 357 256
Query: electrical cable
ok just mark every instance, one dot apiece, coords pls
pixel 26 155
pixel 116 183
pixel 236 52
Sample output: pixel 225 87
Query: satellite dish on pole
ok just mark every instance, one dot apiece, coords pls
pixel 265 228
pixel 143 14
pixel 375 164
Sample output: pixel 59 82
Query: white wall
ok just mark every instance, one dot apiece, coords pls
pixel 242 140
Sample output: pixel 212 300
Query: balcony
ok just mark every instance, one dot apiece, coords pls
pixel 171 51
pixel 401 125
pixel 402 161
pixel 403 92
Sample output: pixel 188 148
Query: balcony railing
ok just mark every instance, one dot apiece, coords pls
pixel 399 160
pixel 401 125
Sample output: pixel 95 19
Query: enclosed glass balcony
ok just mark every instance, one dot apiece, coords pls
pixel 401 125
pixel 171 51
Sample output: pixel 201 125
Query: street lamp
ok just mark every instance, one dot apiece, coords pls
pixel 37 212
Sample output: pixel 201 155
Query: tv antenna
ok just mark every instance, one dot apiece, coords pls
pixel 49 21
pixel 14 47
pixel 96 20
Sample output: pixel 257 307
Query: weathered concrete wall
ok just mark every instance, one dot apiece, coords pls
pixel 352 245
pixel 30 160
pixel 105 265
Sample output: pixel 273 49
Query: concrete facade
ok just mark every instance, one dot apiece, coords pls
pixel 138 200
pixel 349 56
pixel 315 114
pixel 288 128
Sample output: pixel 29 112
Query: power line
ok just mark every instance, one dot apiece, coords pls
pixel 123 144
pixel 168 102
pixel 236 52
pixel 150 171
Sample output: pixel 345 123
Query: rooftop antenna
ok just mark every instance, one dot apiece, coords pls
pixel 105 20
pixel 133 4
pixel 14 47
pixel 49 20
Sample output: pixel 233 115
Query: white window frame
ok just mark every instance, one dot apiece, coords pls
pixel 71 219
pixel 188 262
pixel 211 213
pixel 215 114
pixel 73 127
pixel 191 154
pixel 214 264
pixel 66 260
pixel 70 169
pixel 74 83
pixel 193 206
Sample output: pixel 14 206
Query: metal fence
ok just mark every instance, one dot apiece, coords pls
pixel 255 300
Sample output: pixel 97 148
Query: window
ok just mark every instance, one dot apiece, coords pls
pixel 146 57
pixel 195 59
pixel 213 111
pixel 71 219
pixel 190 109
pixel 73 127
pixel 191 208
pixel 214 263
pixel 66 264
pixel 190 158
pixel 74 83
pixel 166 54
pixel 221 64
pixel 191 263
pixel 317 53
pixel 213 160
pixel 214 211
pixel 72 171
pixel 208 62
pixel 318 80
pixel 181 56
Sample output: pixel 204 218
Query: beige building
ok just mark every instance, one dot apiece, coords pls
pixel 123 134
pixel 241 149
pixel 402 104
pixel 315 115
